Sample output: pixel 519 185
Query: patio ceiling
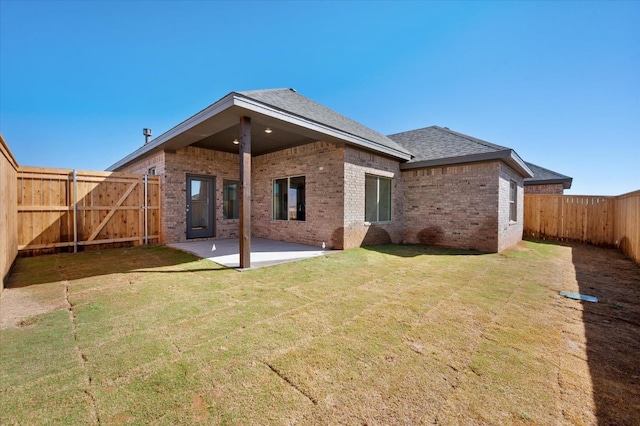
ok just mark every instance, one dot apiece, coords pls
pixel 283 135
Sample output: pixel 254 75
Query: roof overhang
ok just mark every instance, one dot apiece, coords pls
pixel 507 156
pixel 566 182
pixel 214 126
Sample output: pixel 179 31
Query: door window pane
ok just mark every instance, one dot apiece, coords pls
pixel 199 204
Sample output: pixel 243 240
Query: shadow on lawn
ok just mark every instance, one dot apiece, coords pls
pixel 413 250
pixel 44 269
pixel 612 329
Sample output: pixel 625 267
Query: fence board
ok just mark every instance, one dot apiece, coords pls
pixel 627 224
pixel 604 221
pixel 109 208
pixel 8 211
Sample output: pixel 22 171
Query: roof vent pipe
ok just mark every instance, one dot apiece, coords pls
pixel 147 135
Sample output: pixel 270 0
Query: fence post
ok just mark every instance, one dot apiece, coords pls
pixel 146 210
pixel 75 211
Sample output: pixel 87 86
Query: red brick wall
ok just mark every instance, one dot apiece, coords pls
pixel 200 161
pixel 173 169
pixel 322 164
pixel 553 188
pixel 142 167
pixel 462 206
pixel 453 206
pixel 509 232
pixel 357 232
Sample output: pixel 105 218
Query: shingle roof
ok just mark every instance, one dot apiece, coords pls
pixel 546 176
pixel 437 146
pixel 432 143
pixel 290 101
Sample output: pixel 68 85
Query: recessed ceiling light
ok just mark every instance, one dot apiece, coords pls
pixel 268 130
pixel 235 142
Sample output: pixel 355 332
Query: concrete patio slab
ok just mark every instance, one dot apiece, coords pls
pixel 263 252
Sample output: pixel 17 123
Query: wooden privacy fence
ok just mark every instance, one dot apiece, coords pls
pixel 8 213
pixel 571 218
pixel 60 208
pixel 605 221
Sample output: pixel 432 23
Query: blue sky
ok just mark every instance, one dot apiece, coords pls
pixel 557 81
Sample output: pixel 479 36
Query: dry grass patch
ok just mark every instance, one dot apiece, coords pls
pixel 387 335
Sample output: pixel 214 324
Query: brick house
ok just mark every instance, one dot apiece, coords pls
pixel 545 181
pixel 277 165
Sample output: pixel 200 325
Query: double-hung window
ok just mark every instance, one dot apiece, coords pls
pixel 513 202
pixel 377 199
pixel 230 206
pixel 289 198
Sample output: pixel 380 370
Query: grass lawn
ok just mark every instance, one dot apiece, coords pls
pixel 386 335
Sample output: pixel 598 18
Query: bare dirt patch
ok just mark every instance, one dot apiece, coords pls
pixel 19 306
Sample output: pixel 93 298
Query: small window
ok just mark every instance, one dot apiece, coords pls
pixel 289 198
pixel 377 199
pixel 513 202
pixel 230 191
pixel 151 171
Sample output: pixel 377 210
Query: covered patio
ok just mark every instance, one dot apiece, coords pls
pixel 264 252
pixel 252 124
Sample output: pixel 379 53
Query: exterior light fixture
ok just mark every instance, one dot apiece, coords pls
pixel 268 130
pixel 235 142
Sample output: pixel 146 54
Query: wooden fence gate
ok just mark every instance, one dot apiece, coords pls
pixel 60 208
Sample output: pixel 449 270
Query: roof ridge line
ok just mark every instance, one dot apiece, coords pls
pixel 265 90
pixel 472 139
pixel 414 130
